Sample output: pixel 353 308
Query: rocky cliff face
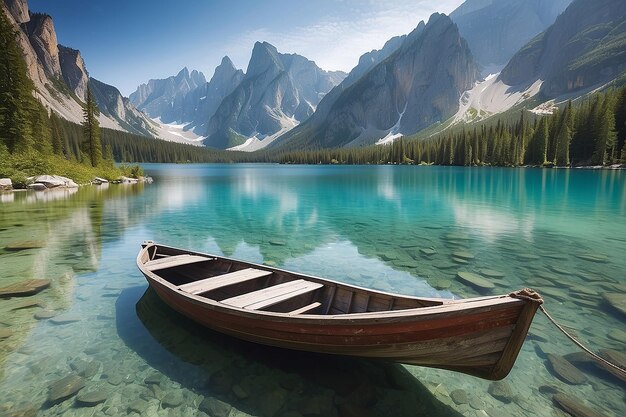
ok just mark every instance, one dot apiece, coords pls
pixel 417 85
pixel 43 38
pixel 112 105
pixel 585 47
pixel 277 92
pixel 18 9
pixel 164 98
pixel 74 71
pixel 496 29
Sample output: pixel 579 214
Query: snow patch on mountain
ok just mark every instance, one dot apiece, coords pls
pixel 258 141
pixel 174 132
pixel 491 96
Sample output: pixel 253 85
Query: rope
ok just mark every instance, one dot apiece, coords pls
pixel 532 296
pixel 580 345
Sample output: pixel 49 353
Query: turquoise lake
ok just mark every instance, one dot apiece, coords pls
pixel 561 232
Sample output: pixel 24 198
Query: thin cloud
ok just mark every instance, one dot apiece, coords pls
pixel 335 43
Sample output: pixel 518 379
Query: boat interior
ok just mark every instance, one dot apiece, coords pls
pixel 256 287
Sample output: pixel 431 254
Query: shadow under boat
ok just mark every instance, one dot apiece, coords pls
pixel 263 380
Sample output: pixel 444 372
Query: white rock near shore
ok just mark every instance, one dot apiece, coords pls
pixel 52 181
pixel 6 184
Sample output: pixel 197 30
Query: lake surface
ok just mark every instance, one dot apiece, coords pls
pixel 561 232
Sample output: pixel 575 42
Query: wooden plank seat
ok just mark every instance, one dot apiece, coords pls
pixel 269 296
pixel 172 261
pixel 219 281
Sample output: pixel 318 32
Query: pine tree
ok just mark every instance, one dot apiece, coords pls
pixel 620 123
pixel 56 134
pixel 564 137
pixel 604 132
pixel 17 103
pixel 91 131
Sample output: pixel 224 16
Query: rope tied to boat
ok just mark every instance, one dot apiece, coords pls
pixel 527 294
pixel 531 295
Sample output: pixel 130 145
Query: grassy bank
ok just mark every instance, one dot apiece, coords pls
pixel 19 166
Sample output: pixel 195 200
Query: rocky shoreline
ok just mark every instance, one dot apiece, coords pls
pixel 46 182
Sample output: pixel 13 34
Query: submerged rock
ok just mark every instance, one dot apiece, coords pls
pixel 442 284
pixel 574 407
pixel 24 288
pixel 618 335
pixel 25 245
pixel 616 358
pixel 565 371
pixel 617 301
pixel 65 319
pixel 5 333
pixel 463 255
pixel 593 257
pixel 474 280
pixel 215 407
pixel 139 406
pixel 500 390
pixel 92 398
pixel 459 397
pixel 428 251
pixel 64 388
pixel 172 399
pixel 45 314
pixel 154 378
pixel 490 273
pixel 444 265
pixel 527 257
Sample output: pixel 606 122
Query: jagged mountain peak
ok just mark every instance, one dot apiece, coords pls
pixel 227 62
pixel 264 56
pixel 183 73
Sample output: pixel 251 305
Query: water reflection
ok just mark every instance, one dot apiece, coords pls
pixel 402 229
pixel 269 381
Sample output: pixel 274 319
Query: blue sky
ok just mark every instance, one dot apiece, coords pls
pixel 127 42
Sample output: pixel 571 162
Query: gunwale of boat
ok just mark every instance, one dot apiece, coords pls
pixel 445 306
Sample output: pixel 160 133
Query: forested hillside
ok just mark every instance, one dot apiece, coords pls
pixel 592 132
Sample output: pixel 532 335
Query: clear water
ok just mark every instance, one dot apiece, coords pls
pixel 362 225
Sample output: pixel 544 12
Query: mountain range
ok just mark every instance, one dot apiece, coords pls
pixel 486 57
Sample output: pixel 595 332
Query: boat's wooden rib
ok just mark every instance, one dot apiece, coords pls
pixel 232 278
pixel 479 336
pixel 305 309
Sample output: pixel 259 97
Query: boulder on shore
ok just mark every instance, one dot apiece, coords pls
pixel 6 184
pixel 99 181
pixel 52 181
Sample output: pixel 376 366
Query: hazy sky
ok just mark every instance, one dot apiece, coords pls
pixel 127 42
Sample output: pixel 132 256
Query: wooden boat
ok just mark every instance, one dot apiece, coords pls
pixel 477 336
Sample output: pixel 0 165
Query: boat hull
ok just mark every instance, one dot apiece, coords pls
pixel 481 338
